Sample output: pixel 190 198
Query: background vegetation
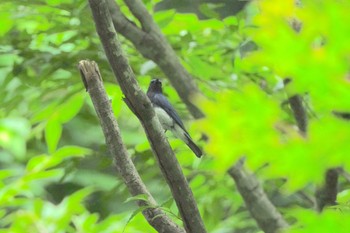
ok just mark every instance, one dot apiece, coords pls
pixel 56 173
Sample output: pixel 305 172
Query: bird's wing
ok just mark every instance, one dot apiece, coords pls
pixel 161 101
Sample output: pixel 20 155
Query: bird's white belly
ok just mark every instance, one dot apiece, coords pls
pixel 166 121
pixel 168 124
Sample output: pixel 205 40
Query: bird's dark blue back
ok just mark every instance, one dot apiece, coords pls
pixel 160 100
pixel 168 117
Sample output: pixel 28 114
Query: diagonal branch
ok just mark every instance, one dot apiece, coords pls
pixel 141 13
pixel 142 108
pixel 258 204
pixel 93 84
pixel 151 43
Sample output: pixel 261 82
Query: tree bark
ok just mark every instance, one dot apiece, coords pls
pixel 260 207
pixel 151 43
pixel 327 195
pixel 141 106
pixel 299 112
pixel 154 215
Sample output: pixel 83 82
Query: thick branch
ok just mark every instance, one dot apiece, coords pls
pixel 151 43
pixel 141 106
pixel 93 84
pixel 256 201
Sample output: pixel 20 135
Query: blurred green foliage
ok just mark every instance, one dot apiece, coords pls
pixel 56 174
pixel 250 121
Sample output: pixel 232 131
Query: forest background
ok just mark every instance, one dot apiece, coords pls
pixel 270 77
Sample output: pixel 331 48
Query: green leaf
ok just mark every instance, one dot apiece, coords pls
pixel 245 125
pixel 2 213
pixel 317 66
pixel 6 22
pixel 343 197
pixel 140 197
pixel 231 20
pixel 58 2
pixel 115 94
pixel 90 222
pixel 190 22
pixel 67 47
pixel 164 17
pixel 112 223
pixel 325 222
pixel 138 210
pixel 70 108
pixel 53 131
pixel 71 151
pixel 86 222
pixel 54 174
pixel 45 112
pixel 6 173
pixel 200 68
pixel 14 133
pixel 42 162
pixel 37 163
pixel 8 59
pixel 208 10
pixel 62 214
pixel 100 181
pixel 61 74
pixel 78 196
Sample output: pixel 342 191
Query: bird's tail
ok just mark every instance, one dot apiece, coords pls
pixel 194 147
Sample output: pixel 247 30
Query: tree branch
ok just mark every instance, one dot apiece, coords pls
pixel 151 43
pixel 299 112
pixel 342 115
pixel 141 13
pixel 261 209
pixel 344 174
pixel 327 195
pixel 93 84
pixel 142 107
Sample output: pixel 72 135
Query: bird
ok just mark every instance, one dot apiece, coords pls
pixel 168 117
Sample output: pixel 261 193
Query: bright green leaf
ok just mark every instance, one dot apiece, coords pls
pixel 140 197
pixel 70 108
pixel 53 133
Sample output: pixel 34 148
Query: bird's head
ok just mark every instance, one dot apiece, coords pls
pixel 155 86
